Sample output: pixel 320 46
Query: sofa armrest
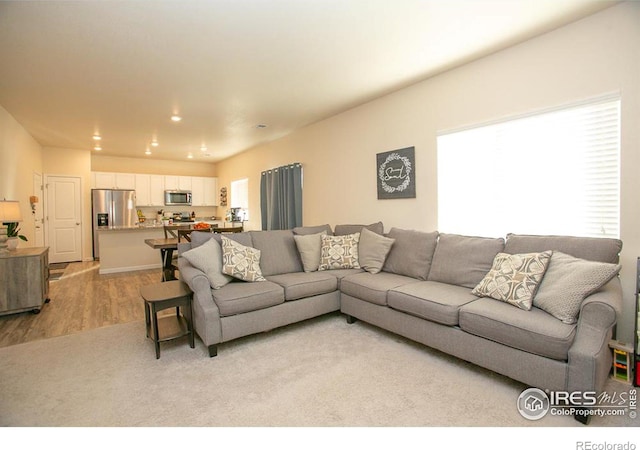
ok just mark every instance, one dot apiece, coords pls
pixel 589 356
pixel 206 316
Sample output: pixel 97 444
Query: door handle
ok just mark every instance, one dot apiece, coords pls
pixel 77 223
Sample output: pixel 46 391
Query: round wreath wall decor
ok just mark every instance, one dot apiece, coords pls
pixel 403 172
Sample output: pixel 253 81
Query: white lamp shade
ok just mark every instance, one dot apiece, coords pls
pixel 10 211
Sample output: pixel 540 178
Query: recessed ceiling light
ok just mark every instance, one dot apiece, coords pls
pixel 97 137
pixel 97 148
pixel 148 152
pixel 203 148
pixel 190 156
pixel 154 143
pixel 176 118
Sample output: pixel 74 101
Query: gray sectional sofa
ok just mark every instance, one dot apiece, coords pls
pixel 422 288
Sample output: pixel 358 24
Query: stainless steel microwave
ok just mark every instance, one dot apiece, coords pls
pixel 181 198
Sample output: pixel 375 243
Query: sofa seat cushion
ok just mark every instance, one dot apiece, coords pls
pixel 240 297
pixel 431 300
pixel 305 284
pixel 533 331
pixel 371 287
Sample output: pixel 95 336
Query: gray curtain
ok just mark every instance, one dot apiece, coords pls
pixel 281 197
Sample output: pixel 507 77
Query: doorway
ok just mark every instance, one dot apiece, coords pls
pixel 37 210
pixel 63 213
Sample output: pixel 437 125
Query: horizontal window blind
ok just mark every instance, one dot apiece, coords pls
pixel 552 173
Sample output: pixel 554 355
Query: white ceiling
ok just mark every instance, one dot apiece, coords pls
pixel 69 69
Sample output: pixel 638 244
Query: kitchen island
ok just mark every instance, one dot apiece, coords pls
pixel 124 250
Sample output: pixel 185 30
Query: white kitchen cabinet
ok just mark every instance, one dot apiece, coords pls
pixel 211 191
pixel 156 185
pixel 197 191
pixel 143 190
pixel 111 180
pixel 149 190
pixel 171 182
pixel 185 183
pixel 204 190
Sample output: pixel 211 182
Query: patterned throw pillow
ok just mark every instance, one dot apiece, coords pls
pixel 339 252
pixel 514 278
pixel 568 282
pixel 240 261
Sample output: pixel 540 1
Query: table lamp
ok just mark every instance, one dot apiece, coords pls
pixel 9 213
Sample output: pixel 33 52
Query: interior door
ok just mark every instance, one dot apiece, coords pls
pixel 63 218
pixel 38 211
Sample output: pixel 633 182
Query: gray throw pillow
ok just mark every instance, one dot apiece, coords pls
pixel 568 281
pixel 208 258
pixel 373 250
pixel 309 246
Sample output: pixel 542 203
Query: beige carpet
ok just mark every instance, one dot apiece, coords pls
pixel 319 373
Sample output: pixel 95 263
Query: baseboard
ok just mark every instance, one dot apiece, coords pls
pixel 129 269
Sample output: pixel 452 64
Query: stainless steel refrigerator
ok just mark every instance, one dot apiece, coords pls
pixel 112 208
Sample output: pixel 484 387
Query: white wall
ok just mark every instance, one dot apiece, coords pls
pixel 20 158
pixel 597 55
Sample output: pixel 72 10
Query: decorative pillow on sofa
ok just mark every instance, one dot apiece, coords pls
pixel 309 246
pixel 240 261
pixel 339 252
pixel 208 258
pixel 373 250
pixel 514 278
pixel 568 281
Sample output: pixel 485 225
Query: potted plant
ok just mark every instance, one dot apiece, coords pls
pixel 13 234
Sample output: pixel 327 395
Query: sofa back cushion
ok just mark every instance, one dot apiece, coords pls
pixel 342 230
pixel 463 260
pixel 593 249
pixel 200 237
pixel 302 231
pixel 411 253
pixel 279 253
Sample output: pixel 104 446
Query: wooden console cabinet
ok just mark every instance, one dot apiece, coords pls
pixel 24 280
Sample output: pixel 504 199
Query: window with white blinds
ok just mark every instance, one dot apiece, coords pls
pixel 552 173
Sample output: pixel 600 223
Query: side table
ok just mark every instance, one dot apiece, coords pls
pixel 161 296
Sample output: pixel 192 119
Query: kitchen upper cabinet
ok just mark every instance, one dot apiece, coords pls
pixel 185 183
pixel 177 183
pixel 110 180
pixel 203 190
pixel 171 183
pixel 211 192
pixel 149 190
pixel 143 190
pixel 156 184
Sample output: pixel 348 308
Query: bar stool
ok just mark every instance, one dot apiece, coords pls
pixel 161 296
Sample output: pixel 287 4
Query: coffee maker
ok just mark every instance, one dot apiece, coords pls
pixel 236 215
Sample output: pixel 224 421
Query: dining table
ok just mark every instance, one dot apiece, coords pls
pixel 166 246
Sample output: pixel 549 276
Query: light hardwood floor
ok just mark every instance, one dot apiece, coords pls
pixel 81 300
